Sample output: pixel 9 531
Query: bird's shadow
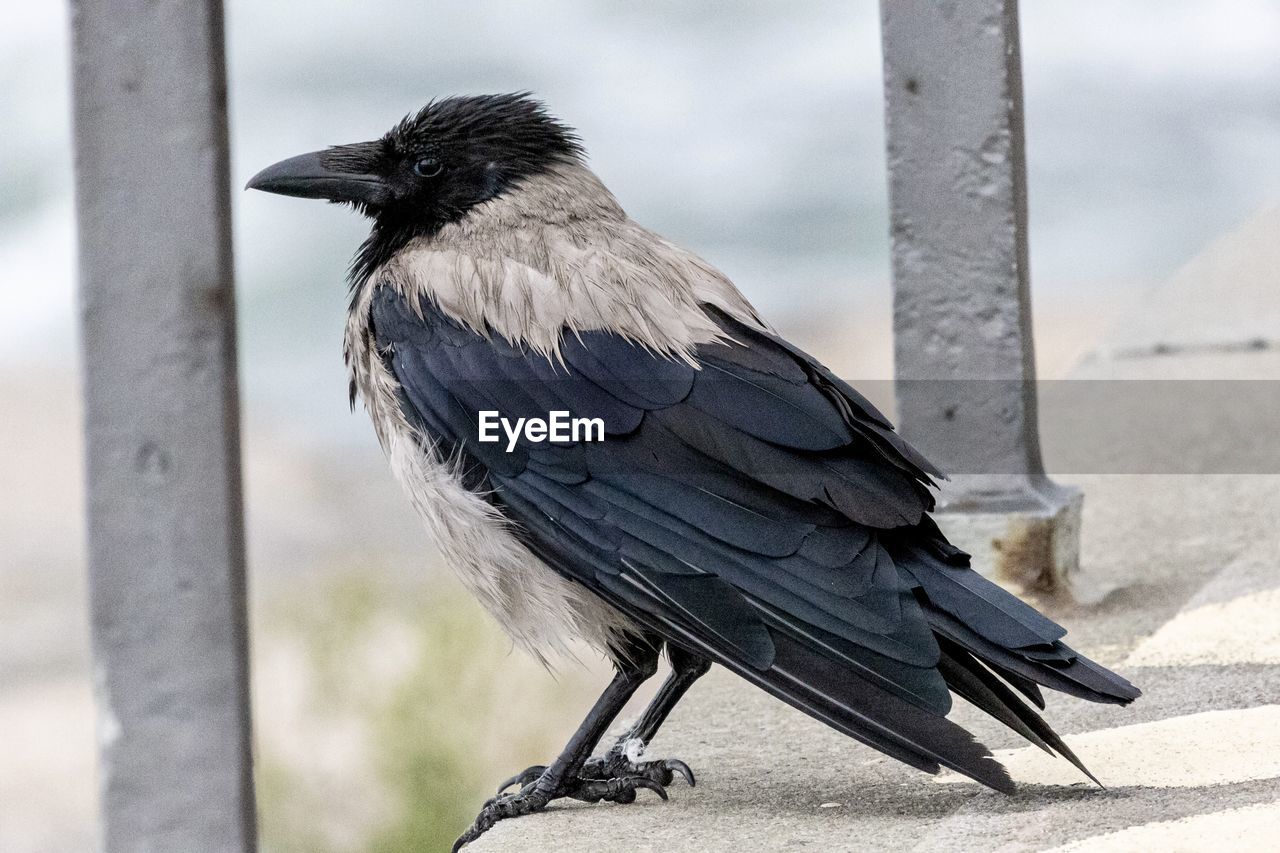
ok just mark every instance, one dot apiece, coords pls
pixel 872 798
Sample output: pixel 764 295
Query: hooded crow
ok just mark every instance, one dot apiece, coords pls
pixel 745 507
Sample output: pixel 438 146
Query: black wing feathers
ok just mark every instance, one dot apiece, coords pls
pixel 755 508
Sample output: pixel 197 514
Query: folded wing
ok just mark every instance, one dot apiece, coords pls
pixel 755 509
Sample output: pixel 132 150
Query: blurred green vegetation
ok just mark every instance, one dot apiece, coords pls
pixel 412 708
pixel 426 737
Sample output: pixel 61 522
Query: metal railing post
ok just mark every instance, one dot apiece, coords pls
pixel 166 545
pixel 964 359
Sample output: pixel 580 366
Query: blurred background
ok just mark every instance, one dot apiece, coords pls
pixel 386 704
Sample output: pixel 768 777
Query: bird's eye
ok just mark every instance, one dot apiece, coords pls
pixel 427 167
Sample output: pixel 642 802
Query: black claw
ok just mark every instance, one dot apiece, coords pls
pixel 529 774
pixel 683 769
pixel 642 782
pixel 617 790
pixel 616 766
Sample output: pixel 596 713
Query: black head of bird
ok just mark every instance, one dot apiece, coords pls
pixel 431 168
pixel 746 507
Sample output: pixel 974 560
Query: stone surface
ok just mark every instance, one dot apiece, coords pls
pixel 1246 596
pixel 1179 752
pixel 1247 828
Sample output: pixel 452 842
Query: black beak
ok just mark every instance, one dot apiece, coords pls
pixel 307 176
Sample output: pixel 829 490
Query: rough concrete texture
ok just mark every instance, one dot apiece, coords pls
pixel 1226 830
pixel 1246 595
pixel 1180 752
pixel 1180 572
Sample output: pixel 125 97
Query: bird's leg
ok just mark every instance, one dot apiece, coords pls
pixel 562 778
pixel 686 668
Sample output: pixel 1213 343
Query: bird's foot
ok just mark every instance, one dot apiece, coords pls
pixel 536 791
pixel 614 765
pixel 527 800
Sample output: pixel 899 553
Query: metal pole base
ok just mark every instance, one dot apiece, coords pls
pixel 1022 533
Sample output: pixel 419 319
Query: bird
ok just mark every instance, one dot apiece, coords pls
pixel 742 506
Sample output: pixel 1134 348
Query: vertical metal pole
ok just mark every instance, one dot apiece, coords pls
pixel 166 545
pixel 963 350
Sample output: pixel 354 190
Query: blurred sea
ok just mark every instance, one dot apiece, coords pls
pixel 751 131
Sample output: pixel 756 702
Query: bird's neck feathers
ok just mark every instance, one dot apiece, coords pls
pixel 557 255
